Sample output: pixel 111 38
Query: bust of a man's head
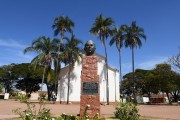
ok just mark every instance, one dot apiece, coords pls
pixel 90 47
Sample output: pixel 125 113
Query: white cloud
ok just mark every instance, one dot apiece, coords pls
pixel 11 43
pixel 152 62
pixel 3 63
pixel 13 52
pixel 126 68
pixel 16 57
pixel 149 64
pixel 127 65
pixel 24 56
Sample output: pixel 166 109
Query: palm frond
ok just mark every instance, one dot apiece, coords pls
pixel 101 28
pixel 62 24
pixel 29 49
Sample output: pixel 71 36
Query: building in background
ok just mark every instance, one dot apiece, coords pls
pixel 75 82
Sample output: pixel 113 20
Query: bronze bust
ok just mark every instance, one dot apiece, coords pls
pixel 89 48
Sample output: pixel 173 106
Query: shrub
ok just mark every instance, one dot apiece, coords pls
pixel 68 117
pixel 21 97
pixel 1 87
pixel 42 96
pixel 31 112
pixel 126 111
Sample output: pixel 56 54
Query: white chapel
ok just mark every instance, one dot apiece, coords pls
pixel 75 82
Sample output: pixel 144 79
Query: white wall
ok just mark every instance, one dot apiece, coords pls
pixel 75 83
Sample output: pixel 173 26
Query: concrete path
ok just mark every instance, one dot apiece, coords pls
pixel 158 111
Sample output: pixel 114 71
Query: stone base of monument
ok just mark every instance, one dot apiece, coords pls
pixel 90 105
pixel 90 100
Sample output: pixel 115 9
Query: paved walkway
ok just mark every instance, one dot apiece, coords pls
pixel 158 111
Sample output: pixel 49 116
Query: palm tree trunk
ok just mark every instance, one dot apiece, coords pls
pixel 149 96
pixel 68 83
pixel 134 93
pixel 59 64
pixel 49 92
pixel 43 78
pixel 167 94
pixel 175 95
pixel 5 89
pixel 107 82
pixel 120 72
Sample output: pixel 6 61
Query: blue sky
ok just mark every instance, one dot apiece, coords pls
pixel 22 21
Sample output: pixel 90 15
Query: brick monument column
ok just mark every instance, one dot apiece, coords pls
pixel 90 99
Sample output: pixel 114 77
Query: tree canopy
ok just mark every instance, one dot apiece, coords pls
pixel 28 79
pixel 159 80
pixel 6 78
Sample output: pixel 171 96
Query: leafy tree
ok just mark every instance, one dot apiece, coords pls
pixel 29 85
pixel 133 35
pixel 102 28
pixel 1 87
pixel 61 25
pixel 149 83
pixel 175 86
pixel 6 78
pixel 72 54
pixel 44 47
pixel 128 82
pixel 163 72
pixel 126 86
pixel 159 80
pixel 28 78
pixel 167 79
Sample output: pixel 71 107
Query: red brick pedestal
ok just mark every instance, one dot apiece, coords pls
pixel 90 99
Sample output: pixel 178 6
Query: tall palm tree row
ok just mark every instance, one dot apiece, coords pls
pixel 61 25
pixel 69 52
pixel 72 54
pixel 102 28
pixel 44 47
pixel 132 36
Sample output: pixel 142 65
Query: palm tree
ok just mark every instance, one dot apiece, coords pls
pixel 102 29
pixel 44 47
pixel 61 25
pixel 133 36
pixel 118 40
pixel 72 54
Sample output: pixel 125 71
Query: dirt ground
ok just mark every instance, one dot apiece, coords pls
pixel 165 112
